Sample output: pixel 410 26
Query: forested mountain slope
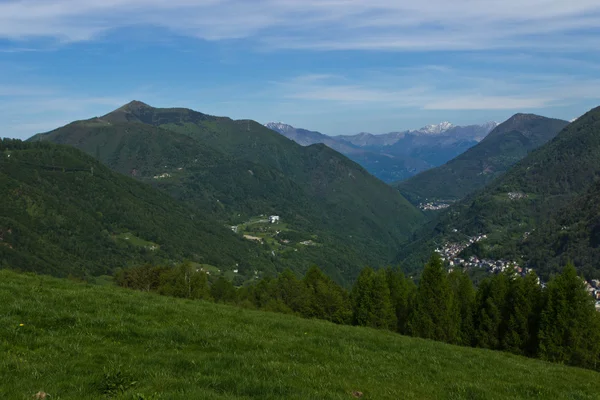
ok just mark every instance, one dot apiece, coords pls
pixel 554 186
pixel 508 143
pixel 235 170
pixel 62 212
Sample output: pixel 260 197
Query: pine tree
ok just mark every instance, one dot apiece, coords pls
pixel 489 313
pixel 568 322
pixel 515 330
pixel 326 299
pixel 371 301
pixel 432 316
pixel 402 295
pixel 463 306
pixel 533 291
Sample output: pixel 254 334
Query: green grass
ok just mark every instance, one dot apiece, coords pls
pixel 82 341
pixel 136 241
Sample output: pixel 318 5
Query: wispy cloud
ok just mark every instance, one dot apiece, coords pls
pixel 392 25
pixel 443 89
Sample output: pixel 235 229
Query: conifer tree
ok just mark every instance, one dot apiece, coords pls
pixel 568 322
pixel 463 306
pixel 432 316
pixel 371 301
pixel 402 295
pixel 515 328
pixel 490 302
pixel 326 299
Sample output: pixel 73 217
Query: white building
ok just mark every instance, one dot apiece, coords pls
pixel 273 219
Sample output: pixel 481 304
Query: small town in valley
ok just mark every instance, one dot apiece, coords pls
pixel 450 252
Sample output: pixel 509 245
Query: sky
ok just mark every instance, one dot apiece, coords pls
pixel 335 66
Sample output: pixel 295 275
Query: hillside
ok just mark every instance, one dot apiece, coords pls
pixel 395 156
pixel 238 171
pixel 508 143
pixel 547 199
pixel 144 346
pixel 64 213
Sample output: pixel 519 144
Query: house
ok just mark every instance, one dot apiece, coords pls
pixel 274 219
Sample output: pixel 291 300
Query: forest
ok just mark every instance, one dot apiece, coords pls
pixel 556 322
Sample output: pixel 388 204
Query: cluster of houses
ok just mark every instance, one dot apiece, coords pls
pixel 433 206
pixel 516 195
pixel 162 176
pixel 450 251
pixel 593 288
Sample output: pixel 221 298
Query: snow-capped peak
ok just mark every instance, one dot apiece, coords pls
pixel 280 127
pixel 436 128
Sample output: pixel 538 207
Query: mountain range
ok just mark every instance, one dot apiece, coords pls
pixel 543 212
pixel 505 145
pixel 399 155
pixel 237 172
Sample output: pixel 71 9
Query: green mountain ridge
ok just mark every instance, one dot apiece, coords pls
pixel 508 143
pixel 234 170
pixel 542 212
pixel 64 213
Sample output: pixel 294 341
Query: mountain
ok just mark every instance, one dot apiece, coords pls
pixel 396 156
pixel 305 138
pixel 508 143
pixel 64 213
pixel 240 171
pixel 541 212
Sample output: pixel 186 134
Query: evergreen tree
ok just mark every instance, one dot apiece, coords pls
pixel 371 301
pixel 490 301
pixel 463 306
pixel 432 316
pixel 327 300
pixel 402 295
pixel 568 322
pixel 515 330
pixel 533 292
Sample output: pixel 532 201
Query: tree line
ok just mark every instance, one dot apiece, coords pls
pixel 506 312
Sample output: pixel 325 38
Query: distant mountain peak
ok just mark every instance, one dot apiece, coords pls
pixel 436 128
pixel 134 105
pixel 280 127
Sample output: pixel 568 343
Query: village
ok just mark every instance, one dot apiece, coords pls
pixel 450 253
pixel 433 206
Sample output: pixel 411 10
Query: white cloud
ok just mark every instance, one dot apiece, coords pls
pixel 322 24
pixel 443 89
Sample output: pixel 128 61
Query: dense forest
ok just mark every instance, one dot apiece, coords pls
pixel 506 312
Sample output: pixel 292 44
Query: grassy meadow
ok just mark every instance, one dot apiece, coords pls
pixel 79 341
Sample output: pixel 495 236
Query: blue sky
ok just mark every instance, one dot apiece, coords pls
pixel 336 66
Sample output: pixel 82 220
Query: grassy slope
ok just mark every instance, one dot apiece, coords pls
pixel 74 335
pixel 503 147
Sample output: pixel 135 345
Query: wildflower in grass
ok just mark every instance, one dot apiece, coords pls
pixel 21 324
